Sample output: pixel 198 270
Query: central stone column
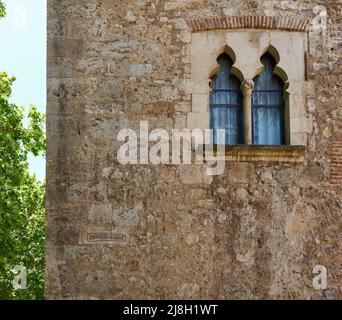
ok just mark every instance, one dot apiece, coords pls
pixel 247 88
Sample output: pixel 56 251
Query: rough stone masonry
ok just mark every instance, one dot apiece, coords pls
pixel 168 231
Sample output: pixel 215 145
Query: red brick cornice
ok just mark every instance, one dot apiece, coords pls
pixel 249 22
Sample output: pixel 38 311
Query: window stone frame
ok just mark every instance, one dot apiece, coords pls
pixel 245 40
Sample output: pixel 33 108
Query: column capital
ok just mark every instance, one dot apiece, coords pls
pixel 247 87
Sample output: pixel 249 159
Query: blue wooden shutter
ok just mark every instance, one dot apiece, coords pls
pixel 226 103
pixel 268 106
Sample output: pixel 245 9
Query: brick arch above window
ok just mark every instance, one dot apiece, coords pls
pixel 249 22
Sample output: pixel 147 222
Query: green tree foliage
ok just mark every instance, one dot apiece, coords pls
pixel 21 197
pixel 2 9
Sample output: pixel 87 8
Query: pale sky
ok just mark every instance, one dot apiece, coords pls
pixel 23 55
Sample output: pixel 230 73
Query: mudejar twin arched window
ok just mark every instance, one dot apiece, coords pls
pixel 226 104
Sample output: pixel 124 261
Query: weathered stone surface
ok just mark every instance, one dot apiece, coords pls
pixel 140 69
pixel 167 231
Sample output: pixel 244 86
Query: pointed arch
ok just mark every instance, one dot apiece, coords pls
pixel 231 54
pixel 276 56
pixel 273 52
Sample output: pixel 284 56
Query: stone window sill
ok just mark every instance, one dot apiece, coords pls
pixel 245 153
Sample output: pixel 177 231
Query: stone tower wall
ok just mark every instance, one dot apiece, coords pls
pixel 254 232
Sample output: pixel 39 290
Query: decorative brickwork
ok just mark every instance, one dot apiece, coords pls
pixel 249 22
pixel 336 162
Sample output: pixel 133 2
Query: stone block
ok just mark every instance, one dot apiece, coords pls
pixel 198 120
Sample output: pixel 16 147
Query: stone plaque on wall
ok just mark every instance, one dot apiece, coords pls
pixel 99 235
